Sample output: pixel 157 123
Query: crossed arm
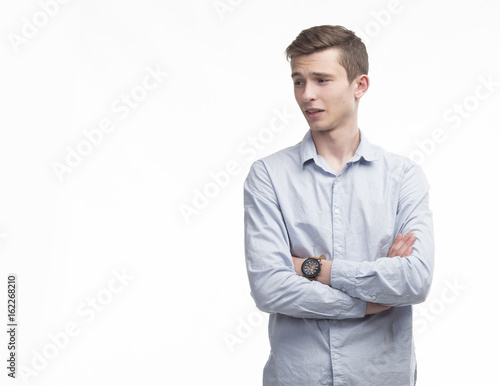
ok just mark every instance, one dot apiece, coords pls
pixel 402 246
pixel 352 286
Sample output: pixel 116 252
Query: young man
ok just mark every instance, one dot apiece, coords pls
pixel 337 196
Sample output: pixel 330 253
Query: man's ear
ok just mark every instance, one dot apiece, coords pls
pixel 362 84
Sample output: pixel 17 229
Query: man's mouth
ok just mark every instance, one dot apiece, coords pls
pixel 313 112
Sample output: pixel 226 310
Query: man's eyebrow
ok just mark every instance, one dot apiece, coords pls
pixel 320 74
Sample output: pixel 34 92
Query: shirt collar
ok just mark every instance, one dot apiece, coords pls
pixel 365 150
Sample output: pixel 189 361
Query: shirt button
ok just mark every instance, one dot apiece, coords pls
pixel 344 290
pixel 374 297
pixel 335 321
pixel 337 211
pixel 337 179
pixel 339 249
pixel 336 356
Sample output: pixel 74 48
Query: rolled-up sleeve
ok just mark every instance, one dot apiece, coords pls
pixel 396 281
pixel 275 286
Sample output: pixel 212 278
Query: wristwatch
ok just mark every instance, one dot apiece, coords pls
pixel 311 267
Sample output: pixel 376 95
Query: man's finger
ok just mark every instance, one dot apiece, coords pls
pixel 394 250
pixel 402 245
pixel 406 242
pixel 409 240
pixel 408 252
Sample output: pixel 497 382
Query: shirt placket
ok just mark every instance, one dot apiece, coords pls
pixel 337 253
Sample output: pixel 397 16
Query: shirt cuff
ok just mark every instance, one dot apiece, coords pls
pixel 353 308
pixel 343 276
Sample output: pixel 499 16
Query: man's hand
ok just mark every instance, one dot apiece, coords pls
pixel 402 246
pixel 375 308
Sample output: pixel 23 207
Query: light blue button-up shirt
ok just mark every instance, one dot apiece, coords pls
pixel 297 205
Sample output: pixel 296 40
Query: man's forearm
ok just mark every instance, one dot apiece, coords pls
pixel 324 274
pixel 324 278
pixel 402 246
pixel 404 280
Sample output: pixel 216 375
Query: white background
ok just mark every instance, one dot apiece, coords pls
pixel 184 315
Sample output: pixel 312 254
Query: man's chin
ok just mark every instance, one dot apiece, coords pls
pixel 319 128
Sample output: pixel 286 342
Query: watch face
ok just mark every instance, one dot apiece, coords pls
pixel 311 267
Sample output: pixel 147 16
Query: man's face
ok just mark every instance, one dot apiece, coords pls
pixel 322 90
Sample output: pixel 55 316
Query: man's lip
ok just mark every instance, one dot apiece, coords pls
pixel 309 110
pixel 313 115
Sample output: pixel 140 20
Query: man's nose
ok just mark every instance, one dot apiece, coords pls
pixel 309 93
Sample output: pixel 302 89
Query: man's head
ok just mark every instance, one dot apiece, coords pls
pixel 329 66
pixel 353 56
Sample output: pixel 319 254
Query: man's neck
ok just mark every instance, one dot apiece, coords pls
pixel 337 146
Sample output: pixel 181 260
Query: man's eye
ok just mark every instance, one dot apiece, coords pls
pixel 322 80
pixel 298 83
